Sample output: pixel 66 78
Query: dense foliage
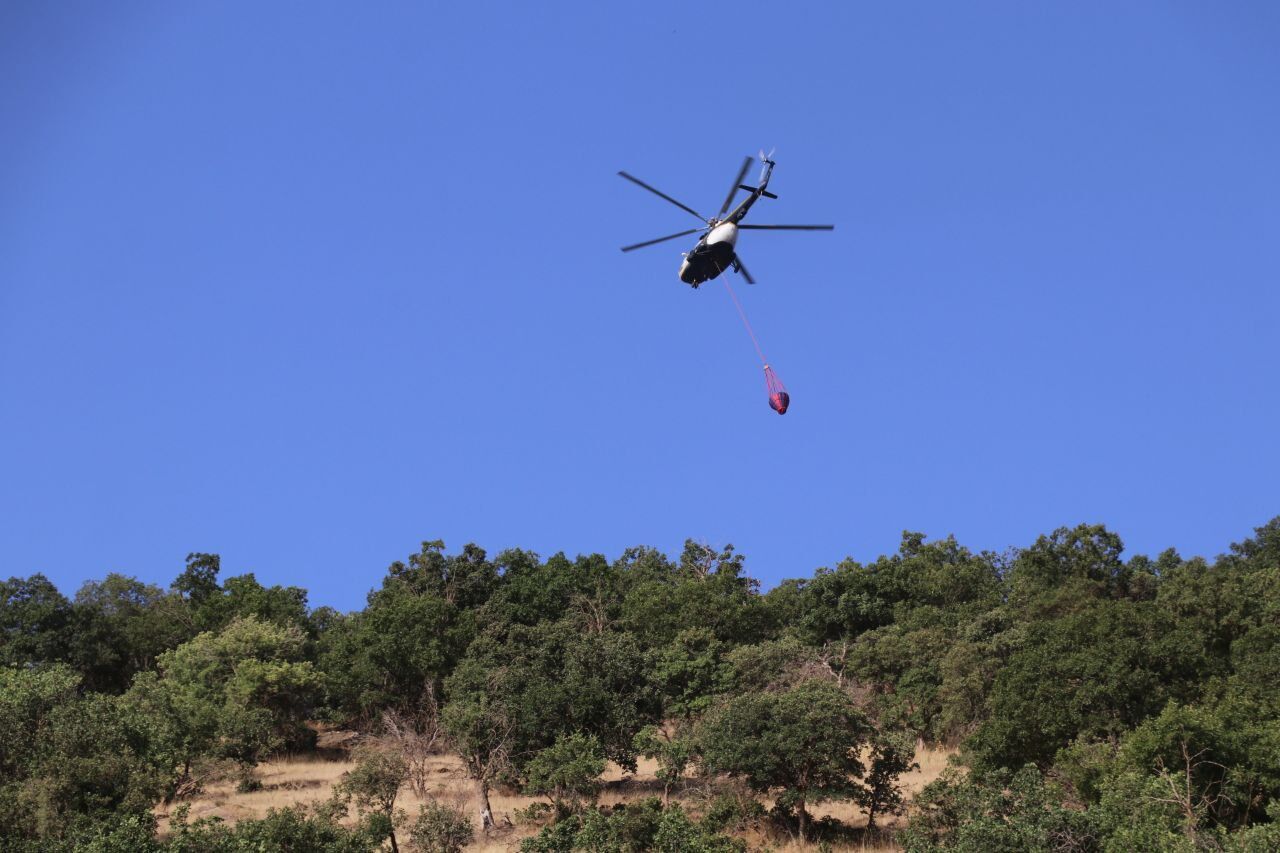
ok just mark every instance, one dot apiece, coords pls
pixel 1098 702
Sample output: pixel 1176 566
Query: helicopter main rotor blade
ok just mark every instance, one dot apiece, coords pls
pixel 742 173
pixel 742 268
pixel 660 239
pixel 789 227
pixel 661 194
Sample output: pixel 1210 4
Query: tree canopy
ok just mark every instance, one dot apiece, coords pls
pixel 1101 700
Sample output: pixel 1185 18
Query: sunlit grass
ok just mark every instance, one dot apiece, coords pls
pixel 308 779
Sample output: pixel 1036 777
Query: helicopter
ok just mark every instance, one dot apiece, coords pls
pixel 716 250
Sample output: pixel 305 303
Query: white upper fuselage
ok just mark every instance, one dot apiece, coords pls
pixel 725 232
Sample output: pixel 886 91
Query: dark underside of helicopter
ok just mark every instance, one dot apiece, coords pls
pixel 706 261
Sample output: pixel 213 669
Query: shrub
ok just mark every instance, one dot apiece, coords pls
pixel 537 812
pixel 440 828
pixel 282 829
pixel 567 771
pixel 641 827
pixel 734 811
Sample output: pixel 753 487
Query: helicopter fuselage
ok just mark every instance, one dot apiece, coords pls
pixel 713 255
pixel 715 252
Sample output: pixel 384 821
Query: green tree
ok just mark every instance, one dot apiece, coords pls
pixel 465 580
pixel 1191 772
pixel 374 783
pixel 674 750
pixel 243 596
pixel 215 606
pixel 551 679
pixel 520 687
pixel 902 663
pixel 94 760
pixel 70 760
pixel 36 622
pixel 1088 553
pixel 842 603
pixel 241 692
pixel 394 655
pixel 567 772
pixel 776 664
pixel 891 755
pixel 482 731
pixel 997 812
pixel 199 580
pixel 706 589
pixel 803 743
pixel 980 649
pixel 533 591
pixel 123 625
pixel 1093 673
pixel 690 672
pixel 27 699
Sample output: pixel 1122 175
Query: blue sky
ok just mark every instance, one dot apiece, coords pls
pixel 308 283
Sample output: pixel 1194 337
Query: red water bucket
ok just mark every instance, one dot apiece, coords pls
pixel 779 399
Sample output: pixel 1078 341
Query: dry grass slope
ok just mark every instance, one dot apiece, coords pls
pixel 308 779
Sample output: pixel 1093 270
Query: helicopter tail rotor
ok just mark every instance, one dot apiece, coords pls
pixel 766 165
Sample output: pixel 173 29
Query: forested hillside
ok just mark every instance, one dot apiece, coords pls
pixel 1098 703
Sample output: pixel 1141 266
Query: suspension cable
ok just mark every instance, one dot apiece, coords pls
pixel 743 315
